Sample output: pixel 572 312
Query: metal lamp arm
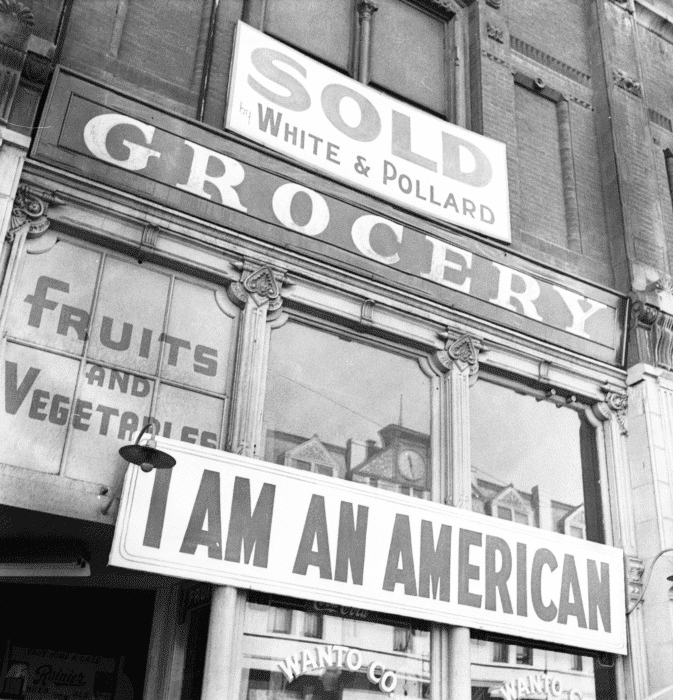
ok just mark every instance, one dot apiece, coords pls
pixel 647 580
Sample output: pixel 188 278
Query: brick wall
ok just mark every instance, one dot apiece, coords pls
pixel 153 48
pixel 656 56
pixel 542 212
pixel 156 50
pixel 558 28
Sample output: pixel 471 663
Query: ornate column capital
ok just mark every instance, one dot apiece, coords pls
pixel 263 284
pixel 366 8
pixel 30 212
pixel 653 327
pixel 616 403
pixel 627 82
pixel 635 568
pixel 461 353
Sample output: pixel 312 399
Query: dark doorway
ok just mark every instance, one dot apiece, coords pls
pixel 69 637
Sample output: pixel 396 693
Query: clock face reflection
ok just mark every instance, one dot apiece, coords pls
pixel 411 465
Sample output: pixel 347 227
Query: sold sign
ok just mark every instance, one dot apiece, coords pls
pixel 280 98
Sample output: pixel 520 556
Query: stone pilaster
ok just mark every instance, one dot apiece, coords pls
pixel 453 369
pixel 258 294
pixel 650 452
pixel 635 224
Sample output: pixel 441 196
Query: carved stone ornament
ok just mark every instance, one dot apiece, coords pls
pixel 618 403
pixel 653 328
pixel 495 33
pixel 366 8
pixel 465 353
pixel 16 23
pixel 626 82
pixel 662 285
pixel 263 285
pixel 645 314
pixel 22 12
pixel 462 352
pixel 634 579
pixel 30 210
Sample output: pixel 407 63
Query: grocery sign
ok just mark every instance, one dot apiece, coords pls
pixel 234 520
pixel 204 173
pixel 315 115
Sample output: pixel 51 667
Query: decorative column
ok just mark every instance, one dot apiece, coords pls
pixel 221 675
pixel 27 220
pixel 366 9
pixel 258 294
pixel 16 23
pixel 454 368
pixel 13 150
pixel 568 174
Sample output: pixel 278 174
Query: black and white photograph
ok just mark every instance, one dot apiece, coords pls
pixel 336 349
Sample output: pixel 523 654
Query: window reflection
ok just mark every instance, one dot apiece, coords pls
pixel 342 408
pixel 503 670
pixel 526 459
pixel 328 652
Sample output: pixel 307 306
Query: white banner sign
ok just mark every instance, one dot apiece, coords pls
pixel 237 521
pixel 296 106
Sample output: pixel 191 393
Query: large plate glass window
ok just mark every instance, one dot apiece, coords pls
pixel 294 649
pixel 504 669
pixel 534 462
pixel 347 409
pixel 531 459
pixel 96 345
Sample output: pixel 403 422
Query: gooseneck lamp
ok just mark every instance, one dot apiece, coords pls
pixel 147 455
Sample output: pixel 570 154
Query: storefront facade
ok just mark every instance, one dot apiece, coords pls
pixel 405 464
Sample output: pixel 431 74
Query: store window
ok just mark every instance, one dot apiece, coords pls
pixel 96 346
pixel 532 672
pixel 500 653
pixel 357 656
pixel 394 31
pixel 524 656
pixel 344 408
pixel 531 458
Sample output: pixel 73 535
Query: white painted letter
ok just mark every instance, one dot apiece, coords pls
pixel 388 682
pixel 361 232
pixel 307 661
pixel 375 672
pixel 506 294
pixel 325 656
pixel 353 660
pixel 95 137
pixel 439 264
pixel 282 208
pixel 291 667
pixel 580 317
pixel 233 175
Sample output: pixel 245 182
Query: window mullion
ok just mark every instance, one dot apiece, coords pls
pixel 82 363
pixel 366 10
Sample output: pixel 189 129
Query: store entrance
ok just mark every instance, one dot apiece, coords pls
pixel 70 642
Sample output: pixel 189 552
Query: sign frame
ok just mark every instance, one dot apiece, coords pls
pixel 352 142
pixel 150 523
